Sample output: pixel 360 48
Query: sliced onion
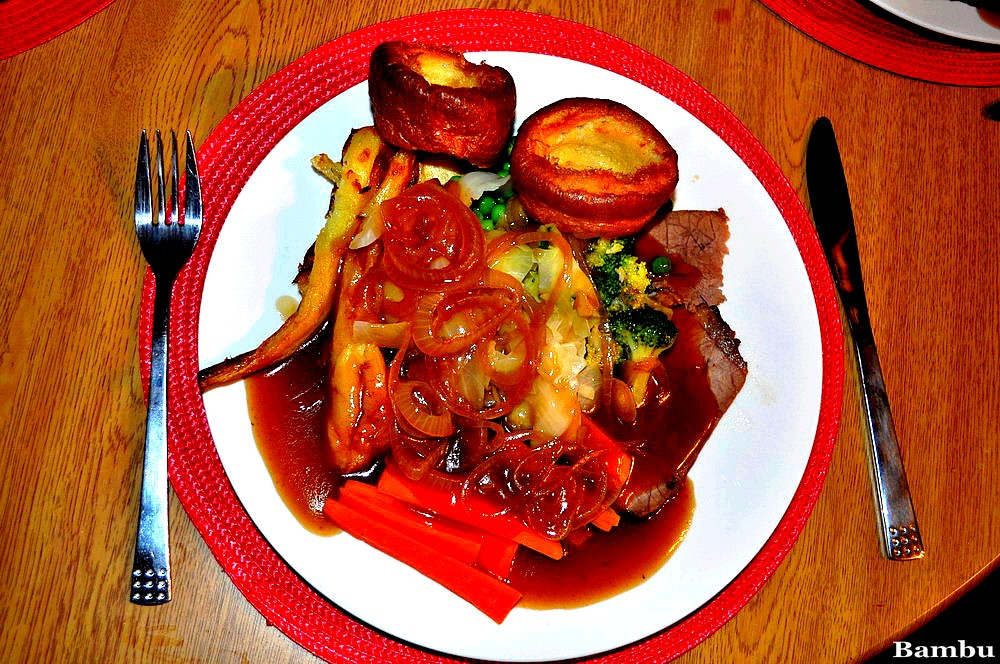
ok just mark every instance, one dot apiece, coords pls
pixel 449 323
pixel 416 457
pixel 588 386
pixel 477 183
pixel 512 354
pixel 378 299
pixel 432 241
pixel 384 335
pixel 370 229
pixel 472 385
pixel 557 410
pixel 516 261
pixel 553 486
pixel 623 402
pixel 417 404
pixel 466 390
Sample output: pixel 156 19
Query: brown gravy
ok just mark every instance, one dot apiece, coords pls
pixel 607 563
pixel 286 407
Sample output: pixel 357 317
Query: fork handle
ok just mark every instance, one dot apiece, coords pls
pixel 149 584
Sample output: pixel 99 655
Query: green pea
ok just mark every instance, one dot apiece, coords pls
pixel 486 204
pixel 498 211
pixel 661 265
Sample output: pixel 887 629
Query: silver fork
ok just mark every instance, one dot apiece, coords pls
pixel 167 241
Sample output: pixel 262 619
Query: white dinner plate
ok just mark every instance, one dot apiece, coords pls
pixel 743 481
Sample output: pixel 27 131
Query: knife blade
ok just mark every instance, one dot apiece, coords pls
pixel 830 202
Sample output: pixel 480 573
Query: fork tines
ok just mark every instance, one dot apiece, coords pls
pixel 166 211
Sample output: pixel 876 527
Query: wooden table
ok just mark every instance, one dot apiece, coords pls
pixel 923 175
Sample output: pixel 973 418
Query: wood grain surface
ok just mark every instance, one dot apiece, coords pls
pixel 923 171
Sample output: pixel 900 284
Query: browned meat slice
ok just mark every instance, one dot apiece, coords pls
pixel 727 370
pixel 697 399
pixel 696 242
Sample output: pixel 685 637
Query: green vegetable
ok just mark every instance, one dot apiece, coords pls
pixel 641 333
pixel 485 205
pixel 491 207
pixel 661 265
pixel 621 279
pixel 489 210
pixel 497 213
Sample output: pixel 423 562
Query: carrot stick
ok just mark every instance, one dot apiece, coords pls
pixel 473 511
pixel 606 520
pixel 464 542
pixel 496 555
pixel 481 589
pixel 451 539
pixel 619 462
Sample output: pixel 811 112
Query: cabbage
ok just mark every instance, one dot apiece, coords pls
pixel 517 262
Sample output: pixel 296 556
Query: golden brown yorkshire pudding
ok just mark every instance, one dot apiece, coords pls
pixel 592 167
pixel 432 99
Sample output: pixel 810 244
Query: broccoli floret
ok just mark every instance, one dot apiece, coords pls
pixel 602 250
pixel 634 278
pixel 621 279
pixel 641 333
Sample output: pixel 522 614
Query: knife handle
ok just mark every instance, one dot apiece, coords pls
pixel 899 533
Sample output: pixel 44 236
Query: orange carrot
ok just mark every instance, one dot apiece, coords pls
pixel 474 511
pixel 483 590
pixel 619 462
pixel 461 541
pixel 497 555
pixel 606 520
pixel 447 537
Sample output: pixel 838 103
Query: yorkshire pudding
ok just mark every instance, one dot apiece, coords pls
pixel 432 99
pixel 592 167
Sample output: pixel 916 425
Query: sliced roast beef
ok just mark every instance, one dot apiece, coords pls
pixel 696 242
pixel 695 398
pixel 702 373
pixel 727 370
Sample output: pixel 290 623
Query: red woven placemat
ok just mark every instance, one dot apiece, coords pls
pixel 25 24
pixel 233 151
pixel 860 31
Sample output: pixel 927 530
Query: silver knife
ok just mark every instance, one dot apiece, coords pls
pixel 831 210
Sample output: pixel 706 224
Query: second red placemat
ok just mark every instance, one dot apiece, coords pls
pixel 860 31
